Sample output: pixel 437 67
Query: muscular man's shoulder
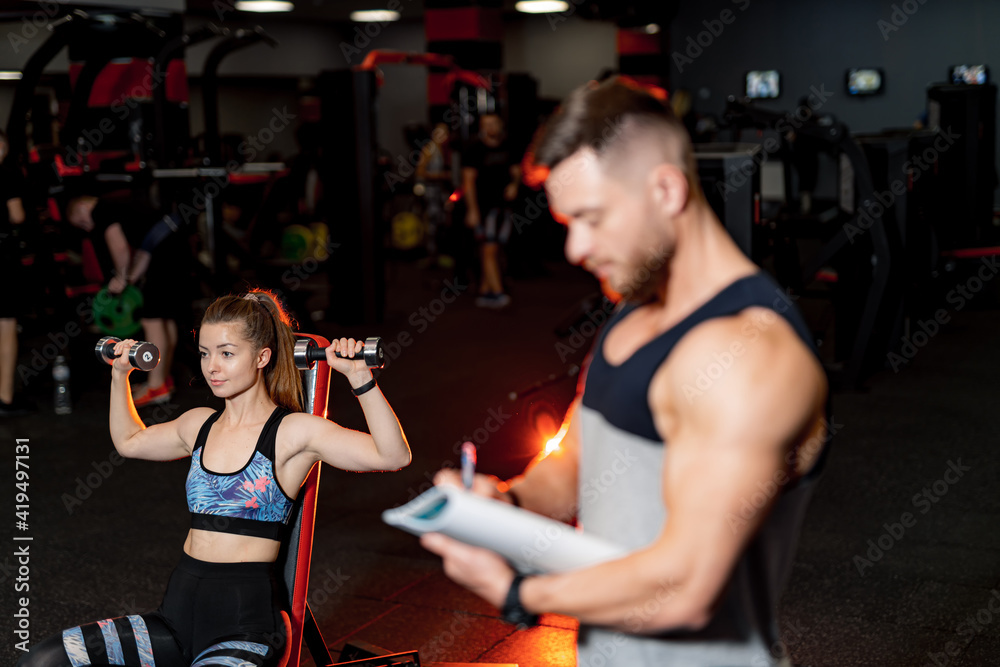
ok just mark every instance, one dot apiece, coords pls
pixel 755 333
pixel 753 353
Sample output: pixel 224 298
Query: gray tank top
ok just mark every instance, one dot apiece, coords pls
pixel 621 500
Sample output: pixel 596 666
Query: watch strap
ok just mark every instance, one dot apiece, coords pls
pixel 513 611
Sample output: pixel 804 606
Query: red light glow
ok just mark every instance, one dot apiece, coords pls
pixel 554 443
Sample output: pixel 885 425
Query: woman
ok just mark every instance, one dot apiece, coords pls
pixel 220 605
pixel 433 172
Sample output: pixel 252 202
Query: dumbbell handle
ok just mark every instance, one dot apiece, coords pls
pixel 307 353
pixel 142 355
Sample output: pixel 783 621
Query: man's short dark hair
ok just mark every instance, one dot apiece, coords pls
pixel 604 117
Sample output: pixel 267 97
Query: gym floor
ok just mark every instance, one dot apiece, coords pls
pixel 866 589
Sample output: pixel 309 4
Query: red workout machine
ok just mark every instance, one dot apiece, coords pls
pixel 295 557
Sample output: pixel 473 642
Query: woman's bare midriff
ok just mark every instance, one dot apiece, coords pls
pixel 228 548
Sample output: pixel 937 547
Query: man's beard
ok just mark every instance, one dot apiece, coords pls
pixel 644 282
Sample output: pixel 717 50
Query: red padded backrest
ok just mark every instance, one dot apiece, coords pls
pixel 299 548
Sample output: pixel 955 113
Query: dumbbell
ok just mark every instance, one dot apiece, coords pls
pixel 142 355
pixel 307 353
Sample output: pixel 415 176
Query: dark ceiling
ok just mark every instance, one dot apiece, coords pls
pixel 339 10
pixel 305 10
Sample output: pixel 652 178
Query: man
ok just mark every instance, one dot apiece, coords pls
pixel 12 305
pixel 135 244
pixel 490 175
pixel 696 440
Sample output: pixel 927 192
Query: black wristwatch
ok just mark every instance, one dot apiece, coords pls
pixel 513 611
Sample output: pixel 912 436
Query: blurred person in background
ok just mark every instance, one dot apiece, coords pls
pixel 12 305
pixel 136 245
pixel 490 176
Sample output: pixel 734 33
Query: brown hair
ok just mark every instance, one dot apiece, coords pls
pixel 605 117
pixel 265 324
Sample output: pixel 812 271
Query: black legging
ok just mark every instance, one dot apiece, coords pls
pixel 223 614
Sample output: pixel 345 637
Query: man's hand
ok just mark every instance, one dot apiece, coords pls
pixel 487 486
pixel 481 571
pixel 510 192
pixel 472 218
pixel 117 285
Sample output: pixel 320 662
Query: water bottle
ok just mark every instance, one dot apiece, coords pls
pixel 60 375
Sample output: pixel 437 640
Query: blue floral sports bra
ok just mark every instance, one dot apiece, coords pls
pixel 246 502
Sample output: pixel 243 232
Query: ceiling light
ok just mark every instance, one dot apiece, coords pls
pixel 541 6
pixel 652 29
pixel 8 75
pixel 263 6
pixel 373 15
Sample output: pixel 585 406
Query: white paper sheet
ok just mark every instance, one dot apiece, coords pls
pixel 532 543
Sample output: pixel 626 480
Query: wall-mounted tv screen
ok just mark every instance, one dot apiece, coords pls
pixel 975 75
pixel 765 83
pixel 864 81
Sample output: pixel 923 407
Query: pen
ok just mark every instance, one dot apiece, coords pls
pixel 468 464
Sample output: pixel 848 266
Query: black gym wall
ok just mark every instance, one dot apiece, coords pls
pixel 560 54
pixel 813 43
